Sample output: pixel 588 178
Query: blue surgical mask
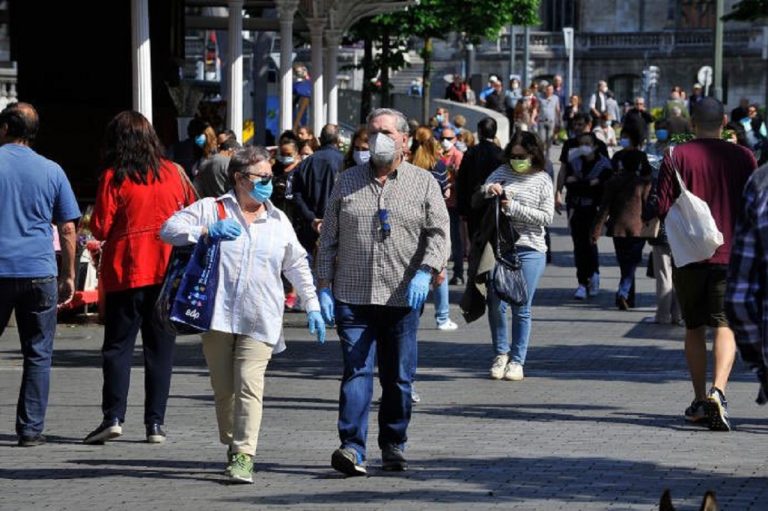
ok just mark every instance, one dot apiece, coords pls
pixel 662 135
pixel 624 142
pixel 200 140
pixel 261 192
pixel 439 118
pixel 285 160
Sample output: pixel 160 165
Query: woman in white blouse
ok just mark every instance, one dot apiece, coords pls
pixel 258 244
pixel 527 199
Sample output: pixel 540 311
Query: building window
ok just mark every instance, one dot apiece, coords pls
pixel 697 14
pixel 625 87
pixel 556 14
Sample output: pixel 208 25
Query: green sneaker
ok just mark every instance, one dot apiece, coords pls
pixel 241 468
pixel 230 457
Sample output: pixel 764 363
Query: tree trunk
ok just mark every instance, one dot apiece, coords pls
pixel 366 100
pixel 385 96
pixel 427 85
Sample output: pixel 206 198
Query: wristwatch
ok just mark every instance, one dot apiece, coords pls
pixel 427 268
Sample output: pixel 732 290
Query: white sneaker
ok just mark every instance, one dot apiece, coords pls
pixel 447 325
pixel 581 293
pixel 594 285
pixel 513 372
pixel 497 368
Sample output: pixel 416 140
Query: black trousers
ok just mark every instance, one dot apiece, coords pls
pixel 127 313
pixel 585 255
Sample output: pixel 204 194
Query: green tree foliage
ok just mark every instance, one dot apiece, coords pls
pixel 748 10
pixel 435 19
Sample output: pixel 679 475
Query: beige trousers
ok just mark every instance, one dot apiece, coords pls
pixel 237 365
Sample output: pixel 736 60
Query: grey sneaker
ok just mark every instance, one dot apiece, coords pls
pixel 717 409
pixel 392 459
pixel 497 368
pixel 415 396
pixel 348 461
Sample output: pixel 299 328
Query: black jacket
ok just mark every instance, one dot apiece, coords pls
pixel 478 163
pixel 312 183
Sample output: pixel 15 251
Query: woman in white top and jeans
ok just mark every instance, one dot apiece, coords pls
pixel 528 200
pixel 258 244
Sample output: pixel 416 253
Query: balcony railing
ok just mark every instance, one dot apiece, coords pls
pixel 665 42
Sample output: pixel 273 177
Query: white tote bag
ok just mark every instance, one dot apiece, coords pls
pixel 691 231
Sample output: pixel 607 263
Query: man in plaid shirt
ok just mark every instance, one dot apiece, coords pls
pixel 384 239
pixel 745 299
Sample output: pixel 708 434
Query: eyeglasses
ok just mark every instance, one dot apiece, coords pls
pixel 260 179
pixel 385 228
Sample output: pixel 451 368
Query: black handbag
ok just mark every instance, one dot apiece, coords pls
pixel 507 279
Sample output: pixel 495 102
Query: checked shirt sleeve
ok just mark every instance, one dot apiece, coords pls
pixel 744 293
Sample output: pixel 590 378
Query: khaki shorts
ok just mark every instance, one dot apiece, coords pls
pixel 700 289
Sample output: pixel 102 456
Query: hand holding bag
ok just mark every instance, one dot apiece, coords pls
pixel 185 303
pixel 691 231
pixel 507 278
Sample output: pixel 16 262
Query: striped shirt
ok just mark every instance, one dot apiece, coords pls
pixel 531 203
pixel 365 265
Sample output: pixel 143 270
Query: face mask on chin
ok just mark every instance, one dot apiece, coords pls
pixel 383 149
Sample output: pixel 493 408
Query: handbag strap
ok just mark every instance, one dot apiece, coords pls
pixel 497 207
pixel 187 184
pixel 679 178
pixel 220 209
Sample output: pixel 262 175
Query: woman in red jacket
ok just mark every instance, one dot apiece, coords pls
pixel 138 191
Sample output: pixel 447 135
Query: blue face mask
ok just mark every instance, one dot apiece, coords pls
pixel 439 118
pixel 624 142
pixel 261 192
pixel 200 140
pixel 662 135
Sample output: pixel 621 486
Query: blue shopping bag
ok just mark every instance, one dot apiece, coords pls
pixel 186 281
pixel 194 302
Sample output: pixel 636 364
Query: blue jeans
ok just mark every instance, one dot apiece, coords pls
pixel 388 333
pixel 533 267
pixel 442 306
pixel 629 254
pixel 457 247
pixel 34 300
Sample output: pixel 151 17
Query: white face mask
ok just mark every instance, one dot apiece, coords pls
pixel 361 157
pixel 447 144
pixel 383 149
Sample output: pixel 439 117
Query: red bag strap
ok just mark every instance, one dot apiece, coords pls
pixel 221 210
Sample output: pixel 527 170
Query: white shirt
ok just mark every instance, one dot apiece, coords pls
pixel 249 297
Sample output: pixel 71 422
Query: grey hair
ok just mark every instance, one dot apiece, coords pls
pixel 244 158
pixel 401 121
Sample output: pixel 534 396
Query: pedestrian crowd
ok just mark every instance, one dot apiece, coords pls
pixel 359 239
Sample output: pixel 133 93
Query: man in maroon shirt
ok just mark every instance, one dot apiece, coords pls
pixel 716 171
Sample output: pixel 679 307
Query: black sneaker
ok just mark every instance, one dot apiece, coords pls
pixel 697 412
pixel 392 459
pixel 107 430
pixel 348 461
pixel 717 409
pixel 31 441
pixel 456 281
pixel 155 434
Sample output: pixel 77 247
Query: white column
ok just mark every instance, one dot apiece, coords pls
pixel 316 29
pixel 286 10
pixel 142 61
pixel 235 92
pixel 332 39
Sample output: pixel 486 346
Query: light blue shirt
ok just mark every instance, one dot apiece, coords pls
pixel 34 193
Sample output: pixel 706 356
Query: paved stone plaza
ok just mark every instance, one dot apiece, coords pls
pixel 596 424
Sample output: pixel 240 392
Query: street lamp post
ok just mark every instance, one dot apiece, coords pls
pixel 718 88
pixel 569 50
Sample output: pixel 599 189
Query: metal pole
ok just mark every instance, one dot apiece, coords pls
pixel 718 67
pixel 235 93
pixel 142 60
pixel 526 57
pixel 512 49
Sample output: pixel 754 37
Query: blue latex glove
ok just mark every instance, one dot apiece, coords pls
pixel 326 305
pixel 227 229
pixel 418 289
pixel 316 325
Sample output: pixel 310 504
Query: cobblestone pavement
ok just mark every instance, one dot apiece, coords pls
pixel 596 424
